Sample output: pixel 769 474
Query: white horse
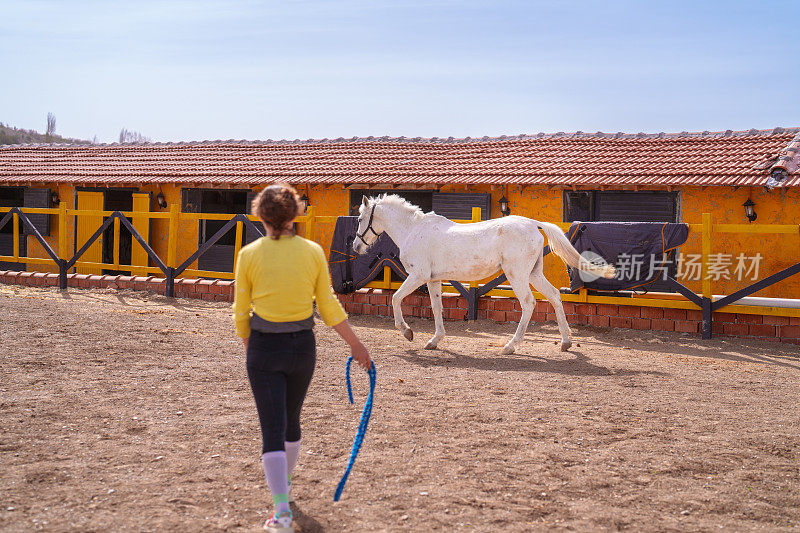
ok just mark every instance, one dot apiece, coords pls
pixel 433 248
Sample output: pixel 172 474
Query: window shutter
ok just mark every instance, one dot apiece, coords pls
pixel 458 206
pixel 37 198
pixel 420 198
pixel 218 258
pixel 7 248
pixel 578 206
pixel 635 206
pixel 190 200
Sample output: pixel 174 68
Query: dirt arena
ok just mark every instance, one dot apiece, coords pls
pixel 123 411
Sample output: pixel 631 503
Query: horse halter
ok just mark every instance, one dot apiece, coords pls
pixel 368 228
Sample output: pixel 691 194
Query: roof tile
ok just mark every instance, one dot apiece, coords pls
pixel 589 159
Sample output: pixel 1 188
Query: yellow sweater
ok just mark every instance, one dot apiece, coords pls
pixel 280 279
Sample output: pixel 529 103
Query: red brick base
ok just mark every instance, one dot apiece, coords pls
pixel 214 290
pixel 376 302
pixel 774 328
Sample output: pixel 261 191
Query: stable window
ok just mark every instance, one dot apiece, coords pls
pixel 625 206
pixel 39 198
pixel 219 257
pixel 421 198
pixel 102 250
pixel 621 206
pixel 455 206
pixel 12 197
pixel 117 200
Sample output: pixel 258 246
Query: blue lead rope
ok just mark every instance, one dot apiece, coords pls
pixel 362 426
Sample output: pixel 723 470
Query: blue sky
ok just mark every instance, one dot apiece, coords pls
pixel 193 70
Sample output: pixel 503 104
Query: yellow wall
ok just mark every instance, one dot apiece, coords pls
pixel 327 201
pixel 779 206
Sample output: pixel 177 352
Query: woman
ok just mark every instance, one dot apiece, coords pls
pixel 278 278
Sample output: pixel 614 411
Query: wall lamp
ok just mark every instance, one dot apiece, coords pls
pixel 749 210
pixel 306 201
pixel 160 200
pixel 54 199
pixel 504 209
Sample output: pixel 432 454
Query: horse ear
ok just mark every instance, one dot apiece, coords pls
pixel 364 201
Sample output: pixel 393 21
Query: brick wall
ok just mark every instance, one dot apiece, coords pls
pixel 774 328
pixel 213 290
pixel 376 302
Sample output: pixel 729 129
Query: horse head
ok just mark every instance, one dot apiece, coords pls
pixel 369 226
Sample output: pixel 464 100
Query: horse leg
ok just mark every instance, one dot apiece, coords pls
pixel 519 282
pixel 551 293
pixel 408 286
pixel 435 292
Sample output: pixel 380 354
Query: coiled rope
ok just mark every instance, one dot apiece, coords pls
pixel 362 426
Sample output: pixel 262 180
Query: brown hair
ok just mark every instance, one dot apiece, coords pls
pixel 277 205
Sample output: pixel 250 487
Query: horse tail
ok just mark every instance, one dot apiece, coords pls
pixel 561 246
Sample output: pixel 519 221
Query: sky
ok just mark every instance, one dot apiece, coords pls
pixel 203 70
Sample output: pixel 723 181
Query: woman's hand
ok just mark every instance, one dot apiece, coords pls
pixel 245 343
pixel 357 348
pixel 361 355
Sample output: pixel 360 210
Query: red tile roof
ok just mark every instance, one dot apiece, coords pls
pixel 724 158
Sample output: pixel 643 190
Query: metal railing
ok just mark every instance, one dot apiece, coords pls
pixel 171 269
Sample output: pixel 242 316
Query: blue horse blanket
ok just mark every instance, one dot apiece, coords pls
pixel 643 252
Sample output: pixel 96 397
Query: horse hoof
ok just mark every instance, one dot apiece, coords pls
pixel 409 334
pixel 566 346
pixel 430 346
pixel 508 349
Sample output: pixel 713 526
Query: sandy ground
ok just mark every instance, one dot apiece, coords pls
pixel 123 411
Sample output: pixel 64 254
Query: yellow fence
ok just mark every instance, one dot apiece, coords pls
pixel 310 221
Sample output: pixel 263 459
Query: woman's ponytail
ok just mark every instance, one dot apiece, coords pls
pixel 277 205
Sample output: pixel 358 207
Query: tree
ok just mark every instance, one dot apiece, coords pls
pixel 126 136
pixel 51 125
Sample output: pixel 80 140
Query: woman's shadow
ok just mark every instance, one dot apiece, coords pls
pixel 304 522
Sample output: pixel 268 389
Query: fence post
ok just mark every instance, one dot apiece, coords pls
pixel 169 287
pixel 15 218
pixel 706 252
pixel 707 318
pixel 706 281
pixel 62 245
pixel 311 223
pixel 237 244
pixel 116 243
pixel 172 250
pixel 141 203
pixel 387 277
pixel 472 303
pixel 172 245
pixel 476 217
pixel 472 298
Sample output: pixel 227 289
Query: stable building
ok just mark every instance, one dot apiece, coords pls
pixel 551 177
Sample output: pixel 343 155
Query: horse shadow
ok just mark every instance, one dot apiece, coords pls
pixel 732 349
pixel 579 365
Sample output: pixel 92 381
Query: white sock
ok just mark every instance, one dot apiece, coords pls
pixel 292 453
pixel 274 464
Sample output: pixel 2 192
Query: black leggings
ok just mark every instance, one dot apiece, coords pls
pixel 280 366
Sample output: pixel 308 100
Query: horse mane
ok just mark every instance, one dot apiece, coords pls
pixel 393 200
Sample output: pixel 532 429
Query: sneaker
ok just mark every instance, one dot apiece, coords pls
pixel 280 523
